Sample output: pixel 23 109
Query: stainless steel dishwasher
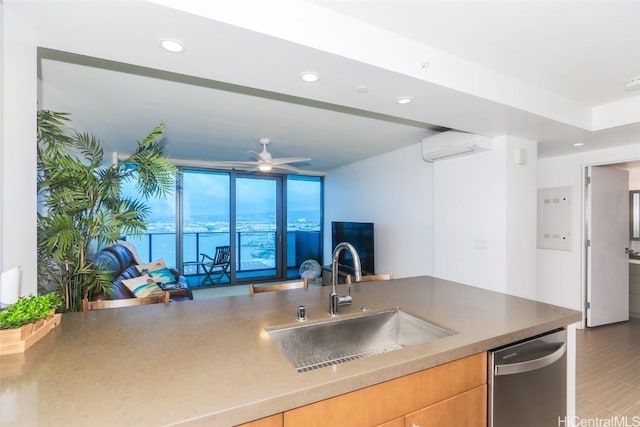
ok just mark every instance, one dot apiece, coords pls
pixel 528 382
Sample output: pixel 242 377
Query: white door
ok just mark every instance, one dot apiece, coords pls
pixel 608 232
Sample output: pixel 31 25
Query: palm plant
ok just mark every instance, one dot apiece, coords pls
pixel 82 207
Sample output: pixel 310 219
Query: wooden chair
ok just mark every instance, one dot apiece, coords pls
pixel 217 267
pixel 304 284
pixel 125 302
pixel 371 278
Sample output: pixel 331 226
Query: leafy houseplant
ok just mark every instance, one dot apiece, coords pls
pixel 28 320
pixel 29 309
pixel 81 204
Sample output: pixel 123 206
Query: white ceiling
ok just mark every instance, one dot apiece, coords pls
pixel 209 124
pixel 547 71
pixel 578 49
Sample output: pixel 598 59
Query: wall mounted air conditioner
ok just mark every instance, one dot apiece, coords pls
pixel 452 143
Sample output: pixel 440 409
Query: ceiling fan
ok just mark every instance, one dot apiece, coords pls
pixel 265 163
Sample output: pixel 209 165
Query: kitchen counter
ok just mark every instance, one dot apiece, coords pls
pixel 210 362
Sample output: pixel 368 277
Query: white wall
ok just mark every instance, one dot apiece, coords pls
pixel 634 179
pixel 560 273
pixel 521 217
pixel 485 216
pixel 394 191
pixel 18 148
pixel 469 219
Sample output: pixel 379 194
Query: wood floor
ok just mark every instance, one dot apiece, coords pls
pixel 608 371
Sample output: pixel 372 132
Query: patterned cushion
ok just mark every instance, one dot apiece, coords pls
pixel 152 266
pixel 142 286
pixel 118 289
pixel 162 275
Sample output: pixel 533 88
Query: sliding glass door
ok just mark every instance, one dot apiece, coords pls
pixel 265 225
pixel 304 222
pixel 206 221
pixel 258 227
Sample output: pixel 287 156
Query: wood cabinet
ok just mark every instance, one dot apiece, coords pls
pixel 449 392
pixel 398 422
pixel 272 421
pixel 467 409
pixel 449 395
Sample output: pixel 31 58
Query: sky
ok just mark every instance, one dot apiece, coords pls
pixel 206 194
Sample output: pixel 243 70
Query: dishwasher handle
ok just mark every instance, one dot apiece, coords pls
pixel 530 365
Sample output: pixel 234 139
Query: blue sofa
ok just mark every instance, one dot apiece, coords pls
pixel 121 259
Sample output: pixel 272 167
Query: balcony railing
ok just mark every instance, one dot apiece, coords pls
pixel 255 250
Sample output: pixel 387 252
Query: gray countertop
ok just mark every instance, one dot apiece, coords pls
pixel 210 362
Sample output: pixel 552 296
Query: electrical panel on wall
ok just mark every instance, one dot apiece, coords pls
pixel 554 218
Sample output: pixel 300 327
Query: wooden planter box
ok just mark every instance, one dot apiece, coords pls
pixel 20 339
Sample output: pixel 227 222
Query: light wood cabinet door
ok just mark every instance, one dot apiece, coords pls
pixel 272 421
pixel 398 422
pixel 396 398
pixel 467 409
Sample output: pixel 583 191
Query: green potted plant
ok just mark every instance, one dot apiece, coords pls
pixel 81 205
pixel 26 321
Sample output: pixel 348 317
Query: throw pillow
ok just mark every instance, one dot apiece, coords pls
pixel 142 286
pixel 152 266
pixel 162 275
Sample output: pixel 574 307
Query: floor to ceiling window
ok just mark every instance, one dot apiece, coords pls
pixel 206 222
pixel 268 225
pixel 304 221
pixel 159 240
pixel 258 227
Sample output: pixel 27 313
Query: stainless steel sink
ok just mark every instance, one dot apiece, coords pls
pixel 317 345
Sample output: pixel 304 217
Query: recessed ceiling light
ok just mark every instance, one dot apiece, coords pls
pixel 362 89
pixel 309 76
pixel 172 45
pixel 578 144
pixel 404 100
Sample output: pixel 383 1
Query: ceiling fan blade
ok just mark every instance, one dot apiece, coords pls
pixel 230 162
pixel 283 160
pixel 288 168
pixel 223 164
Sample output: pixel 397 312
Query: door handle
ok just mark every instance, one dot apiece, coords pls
pixel 531 365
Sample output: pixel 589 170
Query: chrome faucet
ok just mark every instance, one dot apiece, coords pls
pixel 336 301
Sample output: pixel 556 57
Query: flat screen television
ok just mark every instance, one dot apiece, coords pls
pixel 360 235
